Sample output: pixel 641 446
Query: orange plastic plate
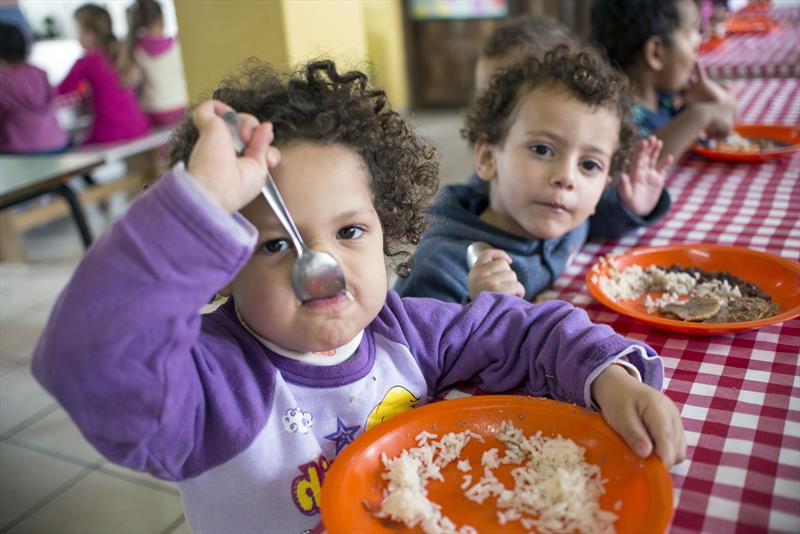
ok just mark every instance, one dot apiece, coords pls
pixel 789 135
pixel 354 479
pixel 778 277
pixel 751 24
pixel 711 44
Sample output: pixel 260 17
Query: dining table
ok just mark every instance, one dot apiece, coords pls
pixel 769 54
pixel 738 394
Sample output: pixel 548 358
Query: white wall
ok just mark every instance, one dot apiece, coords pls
pixel 61 10
pixel 56 56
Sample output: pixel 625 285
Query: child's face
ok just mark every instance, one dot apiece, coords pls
pixel 327 192
pixel 549 173
pixel 85 38
pixel 681 54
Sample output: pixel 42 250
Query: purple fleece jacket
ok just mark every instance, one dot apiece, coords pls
pixel 246 433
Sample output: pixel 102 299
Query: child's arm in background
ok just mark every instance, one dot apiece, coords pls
pixel 124 350
pixel 550 349
pixel 709 111
pixel 701 89
pixel 693 122
pixel 74 77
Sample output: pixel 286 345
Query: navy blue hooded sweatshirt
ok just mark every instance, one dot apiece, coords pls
pixel 440 269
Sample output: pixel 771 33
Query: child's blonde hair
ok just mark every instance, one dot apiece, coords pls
pixel 97 21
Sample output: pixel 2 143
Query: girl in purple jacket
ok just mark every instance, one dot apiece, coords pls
pixel 246 407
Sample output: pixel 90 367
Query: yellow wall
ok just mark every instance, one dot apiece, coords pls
pixel 217 35
pixel 386 47
pixel 364 34
pixel 330 29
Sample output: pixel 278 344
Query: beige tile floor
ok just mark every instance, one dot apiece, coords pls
pixel 51 479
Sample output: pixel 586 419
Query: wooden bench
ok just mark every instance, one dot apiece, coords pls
pixel 23 178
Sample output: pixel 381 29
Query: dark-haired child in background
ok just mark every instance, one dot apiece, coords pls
pixel 116 115
pixel 655 43
pixel 28 121
pixel 155 66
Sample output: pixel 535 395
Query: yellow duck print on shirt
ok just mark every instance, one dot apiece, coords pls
pixel 396 401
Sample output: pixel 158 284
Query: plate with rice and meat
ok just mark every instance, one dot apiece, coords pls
pixel 704 289
pixel 752 143
pixel 495 463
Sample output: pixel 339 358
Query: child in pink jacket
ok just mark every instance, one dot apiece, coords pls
pixel 117 116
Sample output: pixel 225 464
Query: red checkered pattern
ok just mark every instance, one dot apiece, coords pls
pixel 768 101
pixel 790 14
pixel 772 55
pixel 739 395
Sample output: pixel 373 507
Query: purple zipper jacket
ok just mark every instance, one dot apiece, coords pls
pixel 246 433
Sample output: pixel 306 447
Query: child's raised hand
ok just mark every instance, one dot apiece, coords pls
pixel 231 180
pixel 646 419
pixel 492 272
pixel 701 88
pixel 641 188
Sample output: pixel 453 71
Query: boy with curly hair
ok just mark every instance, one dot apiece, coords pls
pixel 547 135
pixel 246 407
pixel 655 42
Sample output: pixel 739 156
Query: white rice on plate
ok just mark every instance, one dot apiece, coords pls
pixel 555 489
pixel 634 281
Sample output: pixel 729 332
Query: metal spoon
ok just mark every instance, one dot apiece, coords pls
pixel 315 274
pixel 474 250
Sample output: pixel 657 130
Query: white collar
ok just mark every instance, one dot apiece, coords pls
pixel 326 358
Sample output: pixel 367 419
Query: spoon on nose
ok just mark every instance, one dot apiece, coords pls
pixel 315 274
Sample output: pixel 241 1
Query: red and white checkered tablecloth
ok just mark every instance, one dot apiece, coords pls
pixel 739 395
pixel 768 101
pixel 772 55
pixel 785 13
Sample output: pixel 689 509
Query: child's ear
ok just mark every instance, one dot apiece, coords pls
pixel 485 162
pixel 654 50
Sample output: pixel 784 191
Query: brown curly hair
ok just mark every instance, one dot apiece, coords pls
pixel 317 104
pixel 583 71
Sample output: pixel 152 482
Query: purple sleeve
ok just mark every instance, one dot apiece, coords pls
pixel 150 384
pixel 505 343
pixel 76 74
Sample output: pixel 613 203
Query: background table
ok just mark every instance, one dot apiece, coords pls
pixel 739 395
pixel 768 101
pixel 771 55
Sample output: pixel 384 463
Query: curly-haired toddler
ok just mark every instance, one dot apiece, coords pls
pixel 246 407
pixel 547 136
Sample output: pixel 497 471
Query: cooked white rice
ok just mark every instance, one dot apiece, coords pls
pixel 555 489
pixel 634 281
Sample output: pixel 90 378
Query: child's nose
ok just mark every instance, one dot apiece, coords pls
pixel 563 177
